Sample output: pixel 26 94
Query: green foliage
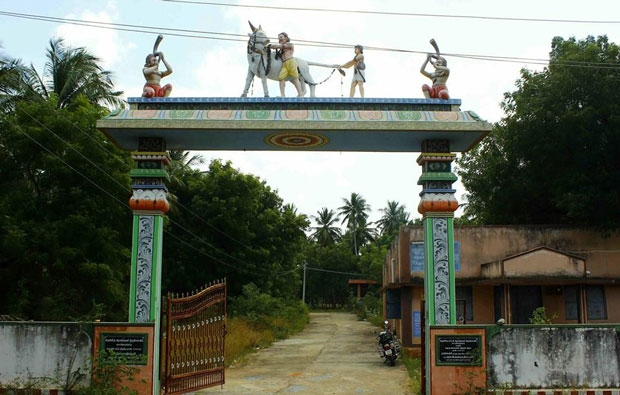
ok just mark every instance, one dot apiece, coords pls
pixel 327 282
pixel 71 73
pixel 369 308
pixel 354 213
pixel 110 373
pixel 394 216
pixel 62 179
pixel 326 232
pixel 267 312
pixel 232 225
pixel 539 317
pixel 414 369
pixel 555 156
pixel 258 319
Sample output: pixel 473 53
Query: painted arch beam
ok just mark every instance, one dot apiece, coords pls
pixel 303 124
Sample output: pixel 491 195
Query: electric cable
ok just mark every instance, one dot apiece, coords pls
pixel 393 13
pixel 267 272
pixel 242 38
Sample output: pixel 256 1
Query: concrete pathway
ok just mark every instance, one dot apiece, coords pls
pixel 335 354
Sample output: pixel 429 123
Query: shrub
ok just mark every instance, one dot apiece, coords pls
pixel 258 319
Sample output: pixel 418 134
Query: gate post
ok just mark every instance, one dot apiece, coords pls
pixel 437 206
pixel 149 203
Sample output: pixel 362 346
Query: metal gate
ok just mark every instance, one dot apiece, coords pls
pixel 195 331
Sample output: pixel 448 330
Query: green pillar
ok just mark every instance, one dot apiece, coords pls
pixel 437 206
pixel 149 203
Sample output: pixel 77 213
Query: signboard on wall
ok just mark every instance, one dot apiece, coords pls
pixel 458 350
pixel 417 324
pixel 133 347
pixel 416 256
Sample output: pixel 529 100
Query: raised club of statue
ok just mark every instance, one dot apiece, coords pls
pixel 439 89
pixel 152 74
pixel 263 63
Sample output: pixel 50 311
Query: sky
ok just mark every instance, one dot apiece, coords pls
pixel 486 44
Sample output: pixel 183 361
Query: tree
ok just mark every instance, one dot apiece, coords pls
pixel 394 216
pixel 65 228
pixel 326 232
pixel 11 82
pixel 69 73
pixel 555 156
pixel 232 225
pixel 355 213
pixel 65 231
pixel 363 234
pixel 329 269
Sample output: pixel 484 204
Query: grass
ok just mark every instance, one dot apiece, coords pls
pixel 245 336
pixel 241 338
pixel 415 371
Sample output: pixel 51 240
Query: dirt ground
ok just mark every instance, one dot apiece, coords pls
pixel 335 354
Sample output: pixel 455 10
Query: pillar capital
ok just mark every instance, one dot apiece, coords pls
pixel 437 196
pixel 150 194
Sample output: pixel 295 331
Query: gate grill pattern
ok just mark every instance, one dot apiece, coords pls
pixel 196 327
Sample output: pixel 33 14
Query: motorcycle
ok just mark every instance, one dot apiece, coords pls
pixel 389 346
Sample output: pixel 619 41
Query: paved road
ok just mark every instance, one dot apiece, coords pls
pixel 335 354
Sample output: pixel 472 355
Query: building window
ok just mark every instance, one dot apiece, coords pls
pixel 465 294
pixel 595 294
pixel 571 302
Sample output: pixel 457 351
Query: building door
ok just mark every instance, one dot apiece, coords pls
pixel 524 300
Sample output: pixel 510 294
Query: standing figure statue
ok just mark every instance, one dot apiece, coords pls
pixel 359 73
pixel 152 74
pixel 289 63
pixel 439 76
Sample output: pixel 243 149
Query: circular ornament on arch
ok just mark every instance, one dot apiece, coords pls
pixel 296 140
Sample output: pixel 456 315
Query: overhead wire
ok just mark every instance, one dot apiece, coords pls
pixel 332 271
pixel 267 272
pixel 210 35
pixel 233 37
pixel 393 13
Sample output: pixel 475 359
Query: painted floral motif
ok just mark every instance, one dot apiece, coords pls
pixel 182 114
pixel 334 115
pixel 144 267
pixel 142 114
pixel 296 114
pixel 441 271
pixel 371 115
pixel 446 115
pixel 257 114
pixel 408 115
pixel 219 114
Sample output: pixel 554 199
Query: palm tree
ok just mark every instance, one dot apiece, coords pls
pixel 71 72
pixel 394 215
pixel 326 233
pixel 181 163
pixel 11 82
pixel 355 214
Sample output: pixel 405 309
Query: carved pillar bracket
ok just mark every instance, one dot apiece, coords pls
pixel 437 178
pixel 150 194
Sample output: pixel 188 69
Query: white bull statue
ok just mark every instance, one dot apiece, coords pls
pixel 262 63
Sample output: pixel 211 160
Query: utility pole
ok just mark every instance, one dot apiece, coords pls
pixel 303 291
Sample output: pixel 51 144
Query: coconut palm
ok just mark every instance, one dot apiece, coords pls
pixel 326 232
pixel 71 72
pixel 355 213
pixel 11 82
pixel 394 216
